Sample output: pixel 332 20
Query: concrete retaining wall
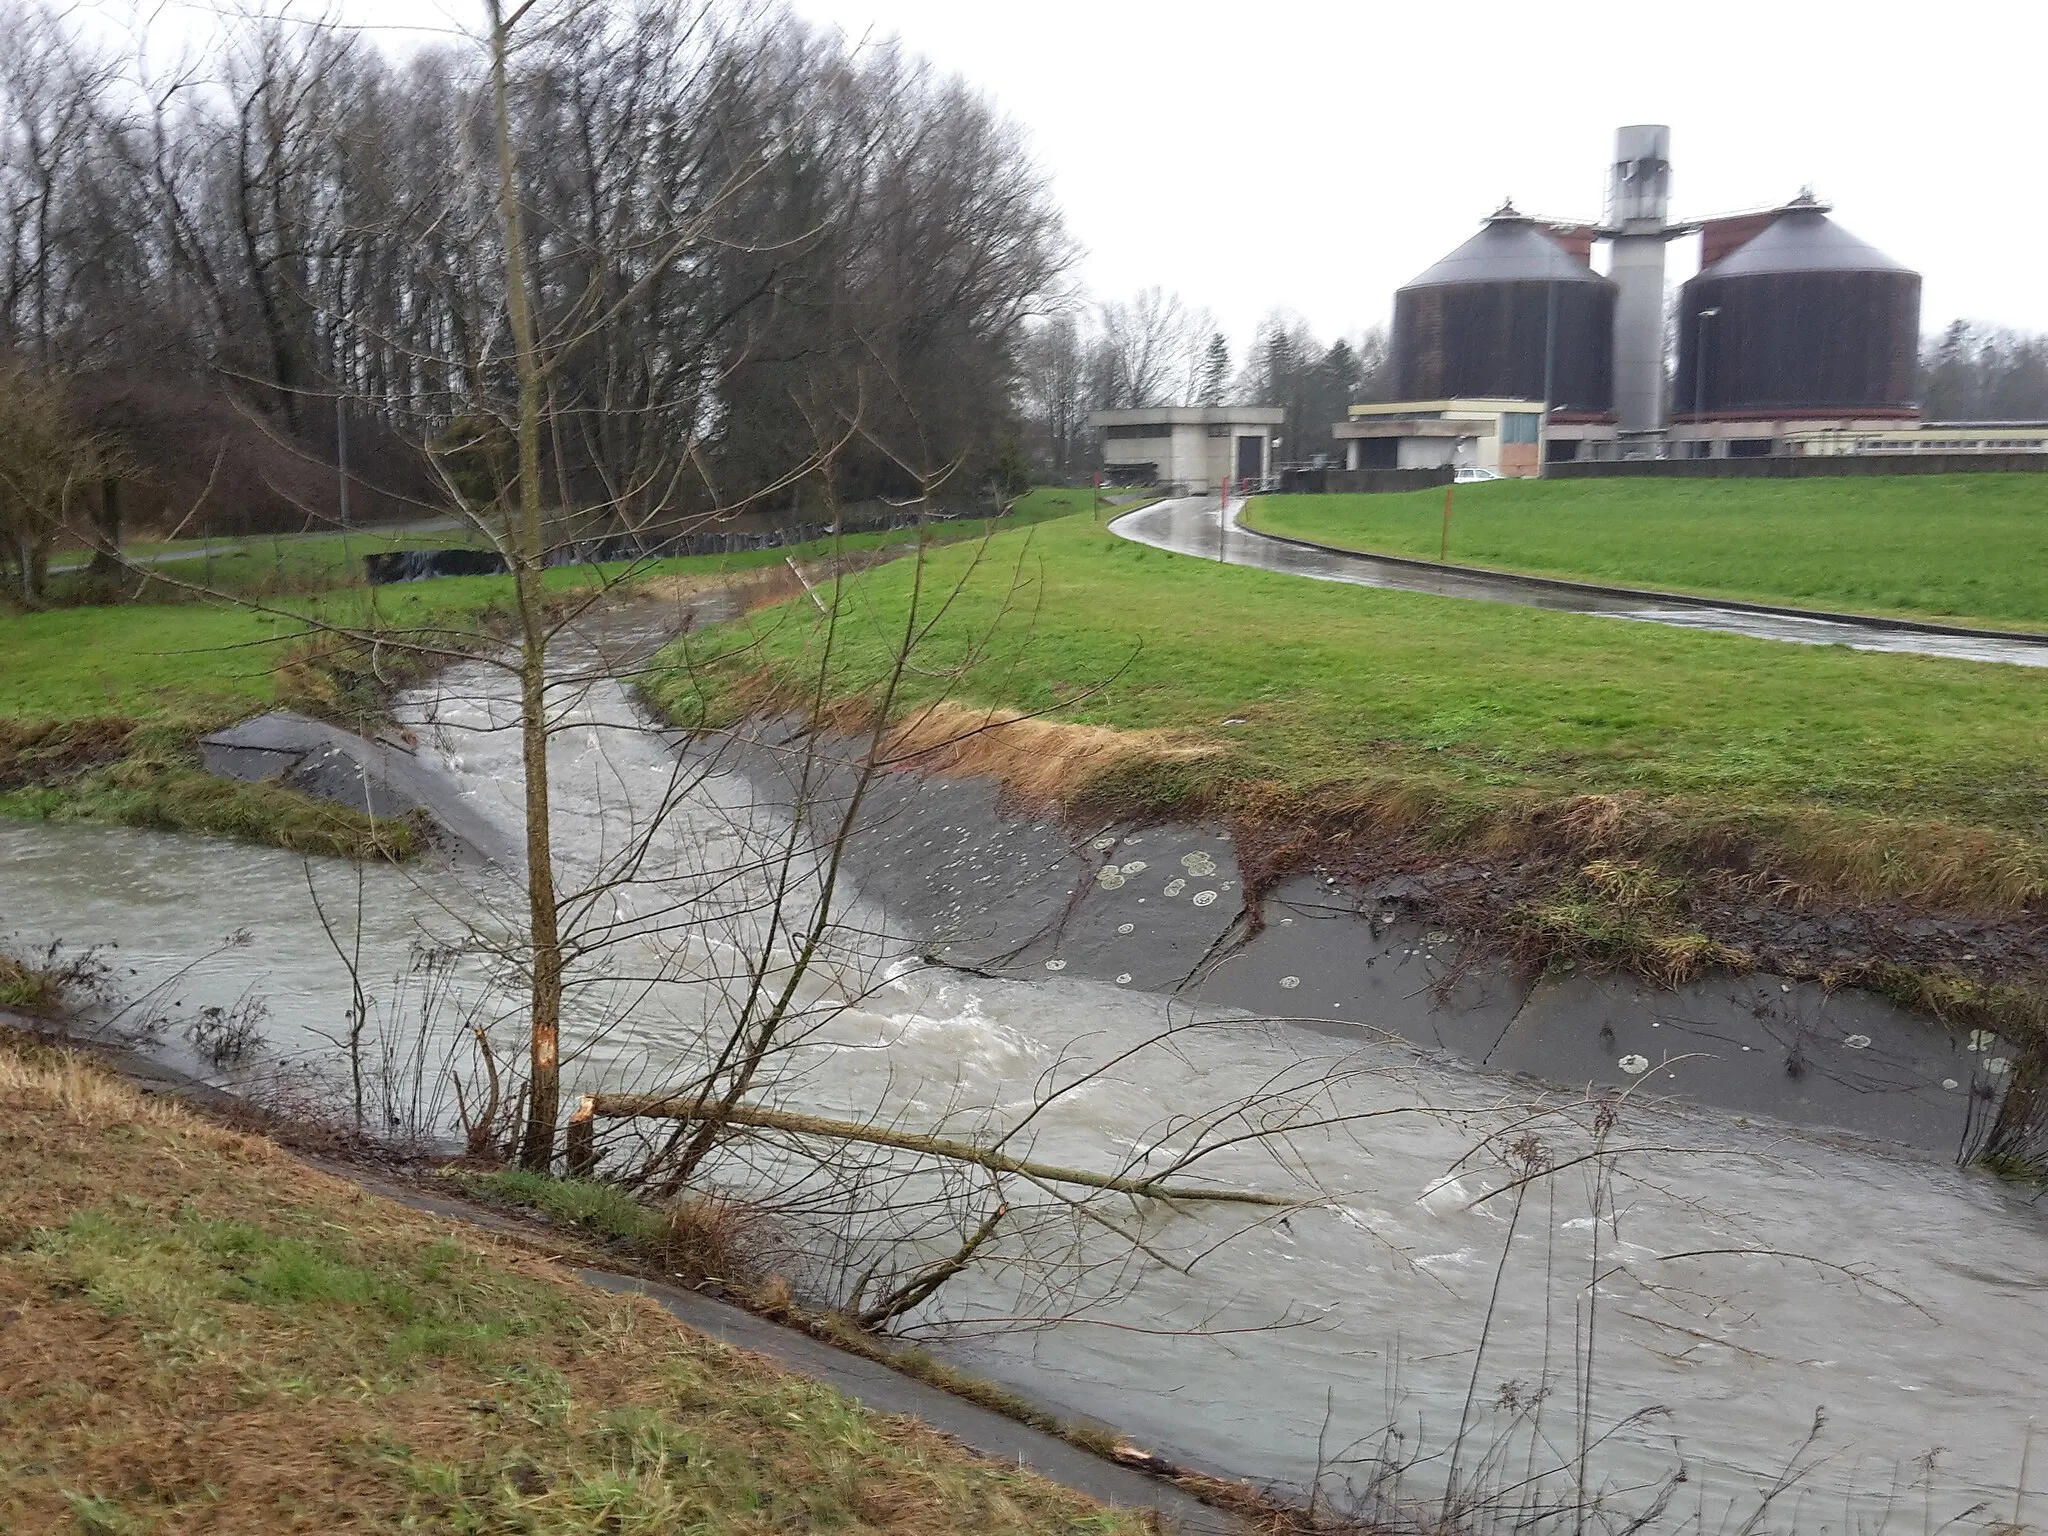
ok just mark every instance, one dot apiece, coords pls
pixel 1368 481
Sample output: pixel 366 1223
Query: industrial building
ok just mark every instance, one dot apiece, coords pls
pixel 1793 327
pixel 1510 314
pixel 1188 445
pixel 1943 437
pixel 1502 437
pixel 1798 327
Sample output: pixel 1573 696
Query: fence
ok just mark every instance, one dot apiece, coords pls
pixel 421 564
pixel 1311 479
pixel 1800 466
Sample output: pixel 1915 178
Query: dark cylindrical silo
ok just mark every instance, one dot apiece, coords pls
pixel 1804 317
pixel 1502 312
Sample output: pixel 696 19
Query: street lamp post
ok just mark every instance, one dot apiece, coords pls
pixel 1549 378
pixel 341 452
pixel 1699 368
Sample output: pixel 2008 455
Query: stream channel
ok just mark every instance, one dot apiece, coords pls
pixel 1742 1272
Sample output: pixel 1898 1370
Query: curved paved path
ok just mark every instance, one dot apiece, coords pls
pixel 1190 525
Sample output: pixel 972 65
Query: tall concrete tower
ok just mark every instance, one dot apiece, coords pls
pixel 1639 225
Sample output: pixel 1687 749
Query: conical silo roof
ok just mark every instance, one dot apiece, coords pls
pixel 1510 249
pixel 1803 239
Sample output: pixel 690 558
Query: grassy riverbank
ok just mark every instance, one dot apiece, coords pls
pixel 1970 549
pixel 101 707
pixel 1331 722
pixel 101 704
pixel 201 1331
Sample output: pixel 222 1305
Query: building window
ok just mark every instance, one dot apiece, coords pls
pixel 1520 426
pixel 1141 430
pixel 1220 430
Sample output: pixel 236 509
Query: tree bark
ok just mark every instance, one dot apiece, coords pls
pixel 106 558
pixel 537 1146
pixel 623 1106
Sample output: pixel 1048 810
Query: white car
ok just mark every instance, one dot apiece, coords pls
pixel 1471 474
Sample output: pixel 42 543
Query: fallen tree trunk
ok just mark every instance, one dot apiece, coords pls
pixel 658 1106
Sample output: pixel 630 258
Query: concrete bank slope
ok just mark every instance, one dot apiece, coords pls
pixel 379 778
pixel 869 1382
pixel 1162 909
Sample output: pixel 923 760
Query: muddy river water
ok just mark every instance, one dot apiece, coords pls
pixel 1694 1309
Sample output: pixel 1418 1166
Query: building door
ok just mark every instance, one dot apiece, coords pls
pixel 1250 459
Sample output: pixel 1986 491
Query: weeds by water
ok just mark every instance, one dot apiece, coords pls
pixel 229 1035
pixel 696 1240
pixel 1622 913
pixel 51 982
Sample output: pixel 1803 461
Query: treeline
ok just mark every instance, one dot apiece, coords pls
pixel 744 241
pixel 1157 350
pixel 1975 373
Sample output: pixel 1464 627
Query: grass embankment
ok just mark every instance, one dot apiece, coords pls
pixel 710 1244
pixel 1960 549
pixel 251 565
pixel 1322 717
pixel 274 565
pixel 101 705
pixel 201 1333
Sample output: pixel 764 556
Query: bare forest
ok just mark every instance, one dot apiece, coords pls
pixel 233 268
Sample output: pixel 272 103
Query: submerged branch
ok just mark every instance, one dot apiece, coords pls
pixel 623 1106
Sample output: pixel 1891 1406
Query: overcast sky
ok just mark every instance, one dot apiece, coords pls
pixel 1315 154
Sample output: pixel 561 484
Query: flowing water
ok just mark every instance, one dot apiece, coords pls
pixel 1691 1305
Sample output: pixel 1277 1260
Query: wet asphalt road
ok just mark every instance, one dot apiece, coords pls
pixel 1190 525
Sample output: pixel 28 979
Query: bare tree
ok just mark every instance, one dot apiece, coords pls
pixel 1152 350
pixel 46 470
pixel 1055 377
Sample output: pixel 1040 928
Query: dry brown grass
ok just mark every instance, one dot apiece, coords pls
pixel 199 1332
pixel 753 589
pixel 1038 760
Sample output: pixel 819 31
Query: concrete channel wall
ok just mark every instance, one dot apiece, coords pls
pixel 982 886
pixel 1161 909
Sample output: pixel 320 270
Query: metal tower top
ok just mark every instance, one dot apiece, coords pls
pixel 1639 180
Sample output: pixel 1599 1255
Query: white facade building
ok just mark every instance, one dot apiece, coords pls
pixel 1920 437
pixel 1192 446
pixel 1503 437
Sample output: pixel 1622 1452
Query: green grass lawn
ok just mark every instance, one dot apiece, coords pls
pixel 1349 693
pixel 298 563
pixel 1960 548
pixel 199 661
pixel 100 705
pixel 207 661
